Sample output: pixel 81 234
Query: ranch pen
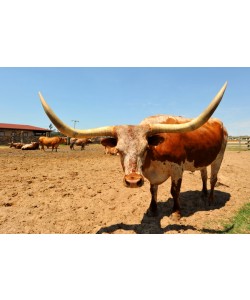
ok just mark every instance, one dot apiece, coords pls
pixel 241 143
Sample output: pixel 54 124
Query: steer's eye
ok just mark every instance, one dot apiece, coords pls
pixel 155 140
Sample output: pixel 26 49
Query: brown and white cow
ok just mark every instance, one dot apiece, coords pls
pixel 51 142
pixel 162 147
pixel 16 145
pixel 79 142
pixel 31 146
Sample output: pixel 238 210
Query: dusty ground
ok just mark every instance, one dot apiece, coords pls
pixel 82 192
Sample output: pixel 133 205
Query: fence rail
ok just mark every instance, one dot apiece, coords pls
pixel 239 145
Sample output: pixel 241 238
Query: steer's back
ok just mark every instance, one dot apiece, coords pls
pixel 195 149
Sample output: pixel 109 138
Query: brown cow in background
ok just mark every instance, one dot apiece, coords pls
pixel 79 142
pixel 16 145
pixel 51 142
pixel 31 146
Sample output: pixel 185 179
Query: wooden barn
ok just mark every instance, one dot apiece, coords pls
pixel 20 133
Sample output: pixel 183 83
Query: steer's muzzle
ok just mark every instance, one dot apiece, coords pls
pixel 133 180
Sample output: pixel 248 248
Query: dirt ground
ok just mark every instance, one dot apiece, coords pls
pixel 82 192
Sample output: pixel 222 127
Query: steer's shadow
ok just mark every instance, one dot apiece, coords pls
pixel 190 202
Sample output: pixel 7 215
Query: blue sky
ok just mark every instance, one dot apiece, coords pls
pixel 112 96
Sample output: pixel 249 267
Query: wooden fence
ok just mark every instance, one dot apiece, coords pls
pixel 238 145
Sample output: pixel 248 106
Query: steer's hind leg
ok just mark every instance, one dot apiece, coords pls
pixel 152 210
pixel 204 181
pixel 204 185
pixel 215 167
pixel 213 179
pixel 176 179
pixel 175 192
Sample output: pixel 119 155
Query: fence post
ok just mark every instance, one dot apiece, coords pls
pixel 248 143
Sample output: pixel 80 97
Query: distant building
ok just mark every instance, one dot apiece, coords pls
pixel 20 133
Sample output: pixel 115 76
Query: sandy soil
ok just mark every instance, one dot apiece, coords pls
pixel 82 192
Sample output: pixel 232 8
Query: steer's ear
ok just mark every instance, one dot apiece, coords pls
pixel 155 140
pixel 111 142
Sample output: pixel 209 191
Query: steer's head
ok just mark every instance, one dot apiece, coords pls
pixel 132 141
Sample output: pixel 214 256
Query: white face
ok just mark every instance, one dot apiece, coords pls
pixel 132 144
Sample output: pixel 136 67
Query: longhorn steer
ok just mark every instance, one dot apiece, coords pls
pixel 51 142
pixel 79 142
pixel 162 147
pixel 180 152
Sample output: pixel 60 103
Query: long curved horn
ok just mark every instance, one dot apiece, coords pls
pixel 72 132
pixel 194 123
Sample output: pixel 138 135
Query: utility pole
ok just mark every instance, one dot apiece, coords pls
pixel 74 123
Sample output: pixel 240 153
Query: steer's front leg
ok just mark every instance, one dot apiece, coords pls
pixel 175 192
pixel 152 210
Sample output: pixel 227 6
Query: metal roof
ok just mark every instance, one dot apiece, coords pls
pixel 21 127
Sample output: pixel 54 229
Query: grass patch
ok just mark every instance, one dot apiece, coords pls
pixel 241 221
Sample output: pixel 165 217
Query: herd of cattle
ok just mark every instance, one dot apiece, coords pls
pixel 54 143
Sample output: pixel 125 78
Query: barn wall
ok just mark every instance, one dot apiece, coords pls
pixel 8 136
